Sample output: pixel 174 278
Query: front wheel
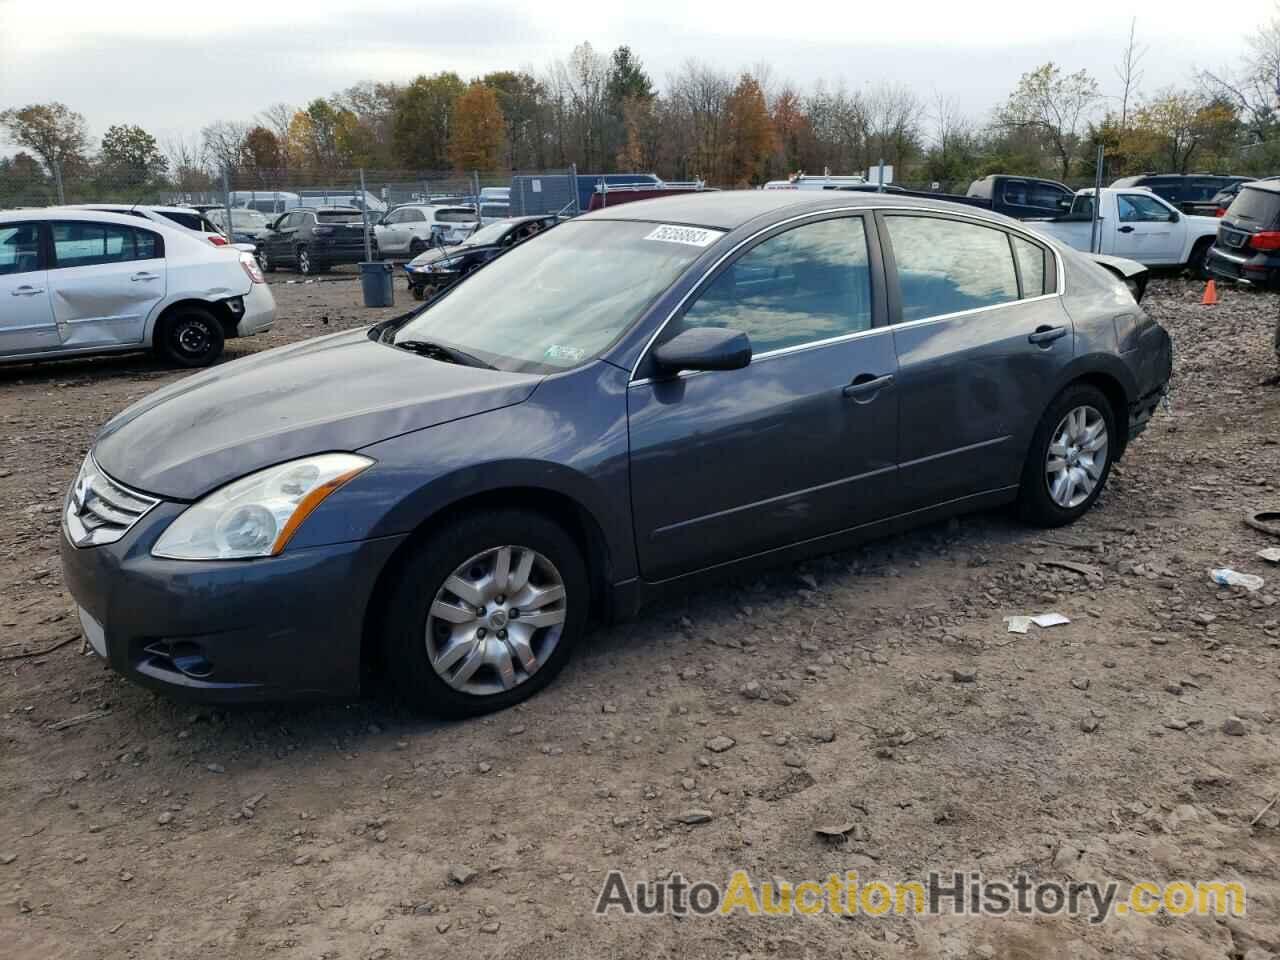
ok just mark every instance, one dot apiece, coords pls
pixel 264 260
pixel 191 338
pixel 416 247
pixel 1070 457
pixel 485 613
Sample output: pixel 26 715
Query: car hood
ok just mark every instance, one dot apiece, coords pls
pixel 340 392
pixel 436 253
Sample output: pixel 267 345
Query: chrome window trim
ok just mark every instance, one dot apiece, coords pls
pixel 1029 235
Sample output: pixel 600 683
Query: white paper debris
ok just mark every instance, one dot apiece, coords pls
pixel 1049 620
pixel 1270 554
pixel 1018 624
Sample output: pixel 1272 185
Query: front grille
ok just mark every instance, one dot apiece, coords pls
pixel 99 510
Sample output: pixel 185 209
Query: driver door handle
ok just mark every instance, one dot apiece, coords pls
pixel 865 387
pixel 1125 230
pixel 1044 336
pixel 26 290
pixel 145 276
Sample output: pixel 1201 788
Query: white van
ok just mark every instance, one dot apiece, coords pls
pixel 265 201
pixel 821 182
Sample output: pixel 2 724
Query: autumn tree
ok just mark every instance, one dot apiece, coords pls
pixel 1056 105
pixel 1175 126
pixel 224 147
pixel 476 138
pixel 750 138
pixel 263 149
pixel 52 131
pixel 422 119
pixel 522 99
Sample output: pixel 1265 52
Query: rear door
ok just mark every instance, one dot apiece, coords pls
pixel 1147 230
pixel 980 338
pixel 104 281
pixel 26 315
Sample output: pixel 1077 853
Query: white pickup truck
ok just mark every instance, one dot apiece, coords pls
pixel 1137 225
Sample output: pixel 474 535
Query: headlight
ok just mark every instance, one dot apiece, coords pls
pixel 257 515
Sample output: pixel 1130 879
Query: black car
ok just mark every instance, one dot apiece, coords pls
pixel 434 271
pixel 642 398
pixel 1222 199
pixel 1023 198
pixel 1190 193
pixel 313 239
pixel 1247 250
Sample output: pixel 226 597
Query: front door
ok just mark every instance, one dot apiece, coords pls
pixel 104 282
pixel 26 318
pixel 1147 231
pixel 799 444
pixel 980 342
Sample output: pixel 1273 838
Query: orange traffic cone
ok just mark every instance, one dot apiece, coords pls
pixel 1210 294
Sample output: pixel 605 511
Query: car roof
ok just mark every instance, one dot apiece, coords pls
pixel 166 228
pixel 133 206
pixel 730 209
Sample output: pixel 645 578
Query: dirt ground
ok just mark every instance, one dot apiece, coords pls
pixel 876 689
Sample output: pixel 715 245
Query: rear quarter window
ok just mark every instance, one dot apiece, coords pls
pixel 1256 206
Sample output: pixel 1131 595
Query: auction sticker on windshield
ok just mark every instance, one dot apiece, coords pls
pixel 694 236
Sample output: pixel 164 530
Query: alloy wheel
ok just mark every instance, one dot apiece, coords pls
pixel 1076 457
pixel 304 261
pixel 496 620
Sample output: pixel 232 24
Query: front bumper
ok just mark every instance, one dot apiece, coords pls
pixel 259 311
pixel 277 628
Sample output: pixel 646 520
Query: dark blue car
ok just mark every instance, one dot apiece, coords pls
pixel 635 401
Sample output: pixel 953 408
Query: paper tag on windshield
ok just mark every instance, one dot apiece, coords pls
pixel 694 236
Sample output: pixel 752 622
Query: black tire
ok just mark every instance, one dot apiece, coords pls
pixel 416 247
pixel 423 575
pixel 264 260
pixel 305 265
pixel 189 337
pixel 418 292
pixel 1036 504
pixel 1197 263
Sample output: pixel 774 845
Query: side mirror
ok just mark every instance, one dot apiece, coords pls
pixel 1174 218
pixel 704 348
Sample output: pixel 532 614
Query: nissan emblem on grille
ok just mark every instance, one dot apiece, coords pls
pixel 99 510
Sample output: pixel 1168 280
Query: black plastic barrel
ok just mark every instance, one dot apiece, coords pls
pixel 375 278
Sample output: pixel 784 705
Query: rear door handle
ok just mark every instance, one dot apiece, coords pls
pixel 145 276
pixel 26 291
pixel 1125 230
pixel 865 387
pixel 1044 336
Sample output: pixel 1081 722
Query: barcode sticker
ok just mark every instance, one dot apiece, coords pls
pixel 694 236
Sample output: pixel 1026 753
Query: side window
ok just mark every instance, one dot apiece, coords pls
pixel 810 283
pixel 19 248
pixel 395 216
pixel 78 244
pixel 1135 208
pixel 416 216
pixel 945 266
pixel 1045 195
pixel 148 245
pixel 1031 260
pixel 1015 193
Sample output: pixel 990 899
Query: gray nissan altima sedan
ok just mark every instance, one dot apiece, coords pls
pixel 636 400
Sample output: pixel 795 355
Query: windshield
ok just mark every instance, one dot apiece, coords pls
pixel 490 234
pixel 339 216
pixel 561 298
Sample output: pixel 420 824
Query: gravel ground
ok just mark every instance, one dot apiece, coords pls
pixel 876 689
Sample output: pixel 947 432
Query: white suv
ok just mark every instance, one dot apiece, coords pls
pixel 78 282
pixel 410 229
pixel 184 217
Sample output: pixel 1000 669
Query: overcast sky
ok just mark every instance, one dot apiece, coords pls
pixel 172 67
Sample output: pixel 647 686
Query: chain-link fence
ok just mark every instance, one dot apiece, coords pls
pixel 273 190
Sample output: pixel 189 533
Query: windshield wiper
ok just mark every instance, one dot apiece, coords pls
pixel 438 351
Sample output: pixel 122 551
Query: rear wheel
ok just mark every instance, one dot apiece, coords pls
pixel 305 266
pixel 264 260
pixel 485 613
pixel 1070 457
pixel 191 337
pixel 416 247
pixel 1196 264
